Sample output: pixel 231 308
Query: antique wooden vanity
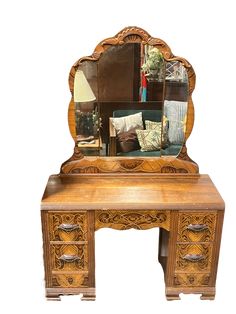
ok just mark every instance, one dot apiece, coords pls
pixel 130 115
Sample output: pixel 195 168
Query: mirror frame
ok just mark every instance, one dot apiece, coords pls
pixel 182 163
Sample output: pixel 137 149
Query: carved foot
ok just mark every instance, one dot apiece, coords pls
pixel 53 297
pixel 88 297
pixel 172 296
pixel 207 296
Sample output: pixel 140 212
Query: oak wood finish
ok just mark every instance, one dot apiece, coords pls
pixel 69 253
pixel 187 208
pixel 117 165
pixel 132 34
pixel 141 193
pixel 129 191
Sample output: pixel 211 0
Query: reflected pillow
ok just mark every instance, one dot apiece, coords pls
pixel 152 125
pixel 127 123
pixel 149 140
pixel 127 141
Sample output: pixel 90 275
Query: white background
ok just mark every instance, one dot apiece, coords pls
pixel 40 41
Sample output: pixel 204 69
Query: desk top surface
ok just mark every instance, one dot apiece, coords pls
pixel 139 191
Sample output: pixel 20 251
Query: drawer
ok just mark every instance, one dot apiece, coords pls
pixel 192 280
pixel 196 227
pixel 70 280
pixel 68 257
pixel 193 257
pixel 67 226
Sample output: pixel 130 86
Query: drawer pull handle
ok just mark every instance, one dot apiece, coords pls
pixel 68 227
pixel 69 258
pixel 197 227
pixel 194 257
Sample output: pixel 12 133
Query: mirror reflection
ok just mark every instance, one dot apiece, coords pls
pixel 130 102
pixel 175 107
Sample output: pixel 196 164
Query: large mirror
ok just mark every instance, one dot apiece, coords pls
pixel 131 101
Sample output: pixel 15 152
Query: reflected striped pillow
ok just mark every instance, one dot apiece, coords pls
pixel 176 111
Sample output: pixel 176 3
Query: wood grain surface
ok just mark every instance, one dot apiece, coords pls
pixel 131 192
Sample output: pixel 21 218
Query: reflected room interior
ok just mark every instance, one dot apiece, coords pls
pixel 131 102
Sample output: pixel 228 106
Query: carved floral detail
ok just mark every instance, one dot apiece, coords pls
pixel 58 219
pixel 169 169
pixel 152 165
pixel 61 253
pixel 70 280
pixel 183 154
pixel 184 261
pixel 123 220
pixel 130 164
pixel 77 155
pixel 194 280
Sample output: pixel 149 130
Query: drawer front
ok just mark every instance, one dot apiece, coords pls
pixel 193 257
pixel 196 227
pixel 68 226
pixel 70 280
pixel 191 280
pixel 68 257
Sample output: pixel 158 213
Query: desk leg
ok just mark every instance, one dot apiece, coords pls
pixel 91 295
pixel 163 247
pixel 171 258
pixel 88 297
pixel 172 296
pixel 53 297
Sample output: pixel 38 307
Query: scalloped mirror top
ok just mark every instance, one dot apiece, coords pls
pixel 131 100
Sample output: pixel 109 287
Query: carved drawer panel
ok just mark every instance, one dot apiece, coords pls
pixel 68 226
pixel 68 257
pixel 132 219
pixel 70 280
pixel 191 280
pixel 196 227
pixel 193 257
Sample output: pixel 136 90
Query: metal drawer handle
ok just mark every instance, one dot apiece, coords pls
pixel 194 257
pixel 69 258
pixel 68 227
pixel 197 227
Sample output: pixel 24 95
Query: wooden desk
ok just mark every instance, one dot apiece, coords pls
pixel 187 208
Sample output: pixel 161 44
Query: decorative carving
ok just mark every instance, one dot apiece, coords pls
pixel 193 265
pixel 194 280
pixel 77 155
pixel 131 164
pixel 185 234
pixel 169 169
pixel 60 257
pixel 55 282
pixel 131 34
pixel 183 155
pixel 57 220
pixel 127 219
pixel 70 280
pixel 116 164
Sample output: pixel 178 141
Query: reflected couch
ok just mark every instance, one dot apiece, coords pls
pixel 151 115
